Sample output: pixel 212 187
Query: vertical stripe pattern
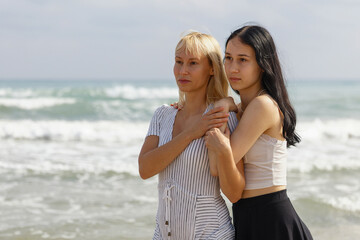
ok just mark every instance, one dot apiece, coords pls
pixel 190 204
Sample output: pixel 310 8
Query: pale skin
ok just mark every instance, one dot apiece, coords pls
pixel 192 74
pixel 259 114
pixel 228 106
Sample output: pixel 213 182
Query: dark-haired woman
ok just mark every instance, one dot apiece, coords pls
pixel 258 146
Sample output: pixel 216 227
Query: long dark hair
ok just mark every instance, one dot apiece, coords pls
pixel 272 79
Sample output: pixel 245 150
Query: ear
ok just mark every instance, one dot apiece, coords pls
pixel 212 71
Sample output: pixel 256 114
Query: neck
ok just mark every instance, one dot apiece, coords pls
pixel 247 95
pixel 194 104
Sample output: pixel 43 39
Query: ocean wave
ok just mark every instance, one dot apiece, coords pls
pixel 125 91
pixel 349 203
pixel 327 201
pixel 132 92
pixel 340 129
pixel 317 152
pixel 77 109
pixel 35 103
pixel 17 93
pixel 74 169
pixel 104 131
pixel 331 145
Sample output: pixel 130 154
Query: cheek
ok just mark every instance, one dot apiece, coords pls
pixel 175 70
pixel 226 66
pixel 257 72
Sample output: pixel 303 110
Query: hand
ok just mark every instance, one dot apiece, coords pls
pixel 217 141
pixel 213 119
pixel 177 105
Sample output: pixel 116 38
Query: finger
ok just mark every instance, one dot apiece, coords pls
pixel 208 132
pixel 215 110
pixel 217 125
pixel 219 115
pixel 218 120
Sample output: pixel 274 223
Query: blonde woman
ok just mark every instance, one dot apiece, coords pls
pixel 190 204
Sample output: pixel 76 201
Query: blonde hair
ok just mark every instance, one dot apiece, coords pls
pixel 203 44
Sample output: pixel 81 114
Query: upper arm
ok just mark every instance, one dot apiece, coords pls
pixel 257 118
pixel 152 137
pixel 150 143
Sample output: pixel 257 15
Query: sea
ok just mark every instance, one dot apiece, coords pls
pixel 69 158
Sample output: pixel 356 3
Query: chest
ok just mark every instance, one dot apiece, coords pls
pixel 180 123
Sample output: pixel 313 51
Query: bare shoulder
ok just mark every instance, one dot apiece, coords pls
pixel 260 113
pixel 263 104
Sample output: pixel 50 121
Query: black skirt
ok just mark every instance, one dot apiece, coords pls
pixel 266 217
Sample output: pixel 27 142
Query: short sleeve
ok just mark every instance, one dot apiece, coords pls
pixel 232 122
pixel 154 127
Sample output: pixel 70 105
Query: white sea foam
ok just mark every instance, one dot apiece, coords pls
pixel 73 164
pixel 17 93
pixel 34 103
pixel 349 203
pixel 326 146
pixel 338 129
pixel 103 131
pixel 131 92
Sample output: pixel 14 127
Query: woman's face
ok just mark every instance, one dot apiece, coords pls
pixel 241 67
pixel 192 73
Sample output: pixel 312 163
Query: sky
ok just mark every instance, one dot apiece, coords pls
pixel 135 39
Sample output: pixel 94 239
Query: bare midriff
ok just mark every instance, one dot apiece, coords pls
pixel 262 191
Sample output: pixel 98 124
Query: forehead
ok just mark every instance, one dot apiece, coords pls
pixel 236 47
pixel 186 53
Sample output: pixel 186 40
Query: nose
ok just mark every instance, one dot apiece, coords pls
pixel 234 68
pixel 183 70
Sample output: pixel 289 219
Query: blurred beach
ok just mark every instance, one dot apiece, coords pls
pixel 68 158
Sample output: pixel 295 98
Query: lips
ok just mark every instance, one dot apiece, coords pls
pixel 183 81
pixel 234 79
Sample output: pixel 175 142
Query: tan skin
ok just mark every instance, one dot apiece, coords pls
pixel 192 74
pixel 258 115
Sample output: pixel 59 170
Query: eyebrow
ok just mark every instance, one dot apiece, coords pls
pixel 239 55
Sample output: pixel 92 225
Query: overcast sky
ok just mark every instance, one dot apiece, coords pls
pixel 135 39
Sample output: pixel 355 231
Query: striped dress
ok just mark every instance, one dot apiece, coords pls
pixel 190 204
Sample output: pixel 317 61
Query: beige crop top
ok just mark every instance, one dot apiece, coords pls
pixel 265 163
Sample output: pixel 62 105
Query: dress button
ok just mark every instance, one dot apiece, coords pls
pixel 166 223
pixel 169 234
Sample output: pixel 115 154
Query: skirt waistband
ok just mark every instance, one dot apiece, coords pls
pixel 262 199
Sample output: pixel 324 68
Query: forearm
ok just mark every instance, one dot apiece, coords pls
pixel 225 103
pixel 213 163
pixel 156 160
pixel 212 154
pixel 232 181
